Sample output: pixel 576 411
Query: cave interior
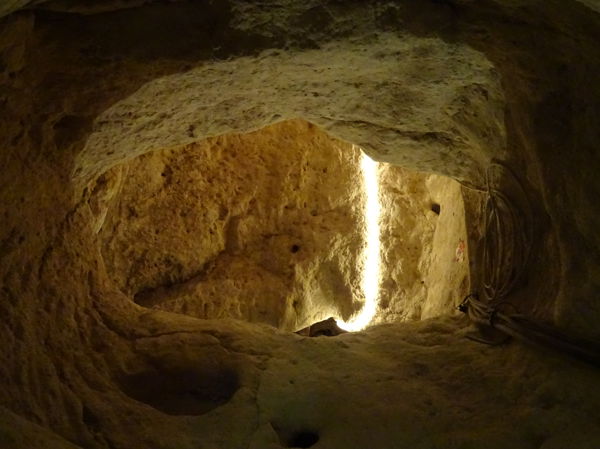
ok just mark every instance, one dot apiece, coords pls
pixel 239 224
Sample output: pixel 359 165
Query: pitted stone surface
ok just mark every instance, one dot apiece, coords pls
pixel 269 227
pixel 73 342
pixel 406 101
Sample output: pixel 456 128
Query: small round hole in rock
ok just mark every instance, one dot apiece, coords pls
pixel 295 248
pixel 435 207
pixel 303 439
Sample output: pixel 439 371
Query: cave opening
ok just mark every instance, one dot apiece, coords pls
pixel 285 226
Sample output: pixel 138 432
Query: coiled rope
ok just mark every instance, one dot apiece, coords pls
pixel 507 236
pixel 507 246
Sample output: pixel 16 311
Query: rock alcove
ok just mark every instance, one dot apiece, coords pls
pixel 147 301
pixel 268 227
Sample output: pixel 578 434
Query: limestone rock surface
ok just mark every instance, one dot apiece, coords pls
pixel 265 227
pixel 439 86
pixel 426 105
pixel 269 227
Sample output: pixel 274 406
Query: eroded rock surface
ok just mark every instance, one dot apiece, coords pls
pixel 265 227
pixel 75 347
pixel 426 105
pixel 269 227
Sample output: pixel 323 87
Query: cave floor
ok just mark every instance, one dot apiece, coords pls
pixel 418 385
pixel 403 385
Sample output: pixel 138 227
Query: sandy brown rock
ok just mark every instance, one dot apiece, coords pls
pixel 269 227
pixel 73 344
pixel 425 255
pixel 394 120
pixel 16 433
pixel 265 227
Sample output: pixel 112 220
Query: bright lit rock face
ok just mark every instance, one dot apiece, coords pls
pixel 424 256
pixel 95 107
pixel 265 227
pixel 269 227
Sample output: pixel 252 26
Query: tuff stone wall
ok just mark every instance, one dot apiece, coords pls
pixel 511 80
pixel 265 227
pixel 269 227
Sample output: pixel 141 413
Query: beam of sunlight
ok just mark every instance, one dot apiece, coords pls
pixel 371 252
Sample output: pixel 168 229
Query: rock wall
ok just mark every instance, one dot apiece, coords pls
pixel 424 246
pixel 269 227
pixel 265 227
pixel 518 84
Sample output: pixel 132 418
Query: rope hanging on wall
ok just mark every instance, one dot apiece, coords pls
pixel 507 246
pixel 507 234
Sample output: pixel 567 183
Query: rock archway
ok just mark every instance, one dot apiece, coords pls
pixel 413 102
pixel 269 227
pixel 419 103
